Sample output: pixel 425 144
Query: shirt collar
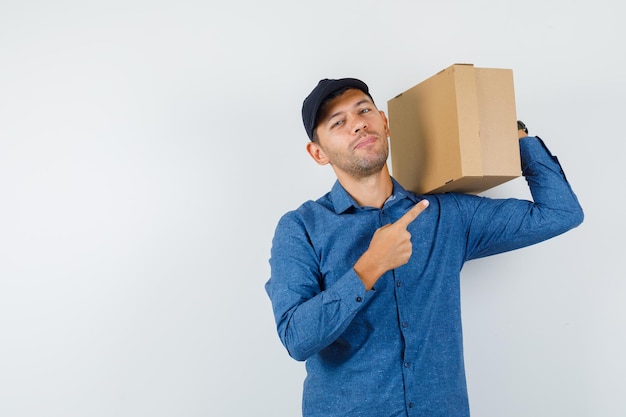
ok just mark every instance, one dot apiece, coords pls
pixel 342 201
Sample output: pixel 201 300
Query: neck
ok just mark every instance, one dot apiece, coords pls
pixel 371 191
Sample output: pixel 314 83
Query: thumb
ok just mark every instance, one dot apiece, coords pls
pixel 412 214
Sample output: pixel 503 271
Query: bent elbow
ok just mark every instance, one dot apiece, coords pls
pixel 570 220
pixel 298 349
pixel 575 217
pixel 578 217
pixel 298 354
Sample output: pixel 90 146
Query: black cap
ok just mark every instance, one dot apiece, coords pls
pixel 325 88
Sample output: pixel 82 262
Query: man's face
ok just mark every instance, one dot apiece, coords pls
pixel 352 135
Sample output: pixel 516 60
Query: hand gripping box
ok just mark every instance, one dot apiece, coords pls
pixel 455 131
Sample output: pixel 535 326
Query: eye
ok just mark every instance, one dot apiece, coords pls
pixel 365 110
pixel 337 123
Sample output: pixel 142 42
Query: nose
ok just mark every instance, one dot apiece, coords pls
pixel 359 125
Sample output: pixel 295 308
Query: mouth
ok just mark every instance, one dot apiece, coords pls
pixel 365 141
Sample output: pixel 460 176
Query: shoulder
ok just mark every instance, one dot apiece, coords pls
pixel 453 200
pixel 442 200
pixel 307 213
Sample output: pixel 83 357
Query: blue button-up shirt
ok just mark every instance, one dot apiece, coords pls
pixel 396 350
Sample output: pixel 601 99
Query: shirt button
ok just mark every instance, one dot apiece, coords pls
pixel 404 324
pixel 406 364
pixel 398 284
pixel 410 405
pixel 359 299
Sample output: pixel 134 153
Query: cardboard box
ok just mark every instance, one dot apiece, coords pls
pixel 455 131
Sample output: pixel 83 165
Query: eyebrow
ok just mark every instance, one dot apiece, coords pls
pixel 357 104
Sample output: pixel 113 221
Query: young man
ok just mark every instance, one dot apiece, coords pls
pixel 365 280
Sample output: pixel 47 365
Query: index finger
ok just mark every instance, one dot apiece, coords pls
pixel 412 214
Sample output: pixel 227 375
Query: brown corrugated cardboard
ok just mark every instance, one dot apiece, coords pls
pixel 455 131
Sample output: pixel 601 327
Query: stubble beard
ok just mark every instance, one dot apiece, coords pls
pixel 360 167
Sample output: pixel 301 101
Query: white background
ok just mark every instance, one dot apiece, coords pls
pixel 148 148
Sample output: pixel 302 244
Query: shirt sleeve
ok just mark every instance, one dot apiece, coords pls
pixel 500 225
pixel 308 317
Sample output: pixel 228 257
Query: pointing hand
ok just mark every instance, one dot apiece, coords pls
pixel 389 248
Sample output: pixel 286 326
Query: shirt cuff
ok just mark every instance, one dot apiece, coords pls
pixel 349 289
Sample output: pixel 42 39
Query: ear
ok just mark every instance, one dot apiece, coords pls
pixel 317 153
pixel 382 114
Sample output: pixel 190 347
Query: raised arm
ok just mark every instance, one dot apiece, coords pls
pixel 501 225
